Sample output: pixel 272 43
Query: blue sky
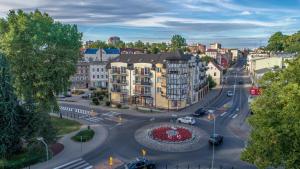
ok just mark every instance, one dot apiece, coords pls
pixel 234 23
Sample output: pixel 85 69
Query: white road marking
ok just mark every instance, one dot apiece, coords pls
pixel 231 115
pixel 223 114
pixel 235 116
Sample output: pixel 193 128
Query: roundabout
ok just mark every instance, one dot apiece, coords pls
pixel 171 137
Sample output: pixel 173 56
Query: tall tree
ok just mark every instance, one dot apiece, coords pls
pixel 10 113
pixel 42 55
pixel 292 43
pixel 275 136
pixel 177 42
pixel 139 44
pixel 276 42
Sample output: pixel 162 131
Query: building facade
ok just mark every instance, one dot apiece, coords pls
pixel 113 40
pixel 215 46
pixel 81 78
pixel 215 71
pixel 98 74
pixel 166 80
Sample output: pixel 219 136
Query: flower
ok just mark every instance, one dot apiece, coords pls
pixel 171 134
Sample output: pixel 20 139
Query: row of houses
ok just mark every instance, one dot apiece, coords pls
pixel 261 62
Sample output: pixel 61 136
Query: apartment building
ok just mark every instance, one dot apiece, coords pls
pixel 215 71
pixel 166 80
pixel 98 74
pixel 81 78
pixel 215 46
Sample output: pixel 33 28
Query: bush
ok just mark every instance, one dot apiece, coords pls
pixel 92 88
pixel 107 103
pixel 95 101
pixel 84 135
pixel 101 97
pixel 212 83
pixel 119 106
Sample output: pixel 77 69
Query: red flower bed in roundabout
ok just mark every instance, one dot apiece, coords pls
pixel 171 134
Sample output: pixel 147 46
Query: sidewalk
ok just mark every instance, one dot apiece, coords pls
pixel 212 95
pixel 74 150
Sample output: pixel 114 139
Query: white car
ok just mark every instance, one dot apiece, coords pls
pixel 229 93
pixel 186 120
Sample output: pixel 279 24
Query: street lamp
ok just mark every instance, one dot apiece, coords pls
pixel 43 141
pixel 211 116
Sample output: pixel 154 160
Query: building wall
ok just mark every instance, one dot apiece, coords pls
pixel 98 75
pixel 80 79
pixel 215 73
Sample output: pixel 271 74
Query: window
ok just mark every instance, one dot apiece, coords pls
pixel 93 69
pixel 106 76
pixel 97 69
pixel 102 76
pixel 98 76
pixel 158 89
pixel 158 69
pixel 102 70
pixel 93 76
pixel 81 71
pixel 215 74
pixel 158 80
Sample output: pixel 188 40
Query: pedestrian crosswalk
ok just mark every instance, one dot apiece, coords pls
pixel 76 164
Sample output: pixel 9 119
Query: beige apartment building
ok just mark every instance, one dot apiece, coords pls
pixel 165 81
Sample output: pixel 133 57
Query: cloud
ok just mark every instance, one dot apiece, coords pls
pixel 246 13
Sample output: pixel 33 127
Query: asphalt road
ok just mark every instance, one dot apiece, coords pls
pixel 122 145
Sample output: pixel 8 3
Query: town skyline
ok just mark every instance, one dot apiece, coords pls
pixel 235 24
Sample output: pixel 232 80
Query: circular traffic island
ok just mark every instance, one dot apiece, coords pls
pixel 171 137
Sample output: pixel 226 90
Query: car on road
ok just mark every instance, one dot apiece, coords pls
pixel 200 112
pixel 241 82
pixel 215 139
pixel 140 163
pixel 229 93
pixel 186 120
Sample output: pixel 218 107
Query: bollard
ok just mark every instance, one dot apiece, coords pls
pixel 221 167
pixel 188 166
pixel 166 166
pixel 177 166
pixel 199 166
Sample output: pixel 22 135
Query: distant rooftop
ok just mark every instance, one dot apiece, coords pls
pixel 112 50
pixel 91 51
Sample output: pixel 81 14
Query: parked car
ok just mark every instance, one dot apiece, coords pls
pixel 86 96
pixel 229 93
pixel 140 163
pixel 200 112
pixel 241 82
pixel 186 120
pixel 215 139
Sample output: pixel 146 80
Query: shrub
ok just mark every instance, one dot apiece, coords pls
pixel 84 135
pixel 92 88
pixel 107 103
pixel 95 101
pixel 100 97
pixel 119 106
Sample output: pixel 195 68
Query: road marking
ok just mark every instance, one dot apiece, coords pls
pixel 68 163
pixel 231 115
pixel 235 116
pixel 223 114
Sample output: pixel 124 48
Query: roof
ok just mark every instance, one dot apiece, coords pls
pixel 91 51
pixel 211 50
pixel 151 58
pixel 131 50
pixel 216 65
pixel 111 50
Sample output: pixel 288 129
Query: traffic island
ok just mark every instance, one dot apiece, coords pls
pixel 84 135
pixel 171 137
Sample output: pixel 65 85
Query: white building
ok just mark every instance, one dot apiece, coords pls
pixel 215 71
pixel 98 74
pixel 215 46
pixel 103 55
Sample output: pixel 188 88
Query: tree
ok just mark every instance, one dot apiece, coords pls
pixel 211 82
pixel 139 44
pixel 120 44
pixel 276 42
pixel 98 44
pixel 207 59
pixel 10 112
pixel 177 42
pixel 275 135
pixel 129 45
pixel 292 43
pixel 42 55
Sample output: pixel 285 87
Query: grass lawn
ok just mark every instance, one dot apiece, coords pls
pixel 86 135
pixel 64 126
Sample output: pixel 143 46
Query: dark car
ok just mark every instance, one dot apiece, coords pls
pixel 140 163
pixel 241 82
pixel 199 112
pixel 215 139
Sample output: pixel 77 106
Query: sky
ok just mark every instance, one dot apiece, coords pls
pixel 233 23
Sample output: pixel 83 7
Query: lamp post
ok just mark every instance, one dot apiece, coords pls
pixel 43 141
pixel 212 117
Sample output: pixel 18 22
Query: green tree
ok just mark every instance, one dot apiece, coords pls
pixel 211 82
pixel 120 44
pixel 207 59
pixel 292 42
pixel 276 42
pixel 275 136
pixel 139 44
pixel 163 47
pixel 177 42
pixel 10 112
pixel 42 55
pixel 98 44
pixel 129 45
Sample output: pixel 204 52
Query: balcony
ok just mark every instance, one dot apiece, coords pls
pixel 118 72
pixel 139 73
pixel 118 81
pixel 119 90
pixel 142 93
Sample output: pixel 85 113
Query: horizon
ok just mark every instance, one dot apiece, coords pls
pixel 234 24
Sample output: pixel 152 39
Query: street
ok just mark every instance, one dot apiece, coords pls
pixel 121 143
